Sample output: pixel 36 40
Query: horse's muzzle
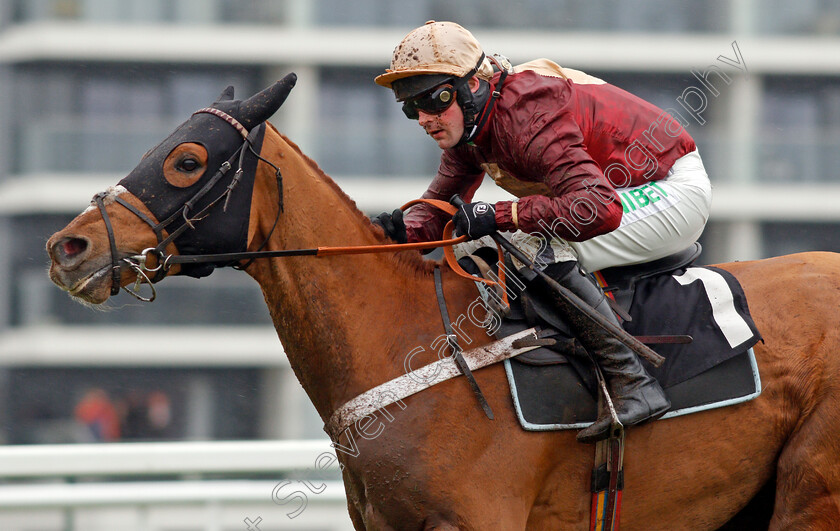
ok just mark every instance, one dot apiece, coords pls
pixel 75 269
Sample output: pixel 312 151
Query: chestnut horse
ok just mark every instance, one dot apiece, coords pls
pixel 348 324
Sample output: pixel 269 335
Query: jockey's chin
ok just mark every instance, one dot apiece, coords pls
pixel 445 128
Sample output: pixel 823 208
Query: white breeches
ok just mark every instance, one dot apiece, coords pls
pixel 660 218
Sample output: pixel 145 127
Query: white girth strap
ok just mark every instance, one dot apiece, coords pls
pixel 421 379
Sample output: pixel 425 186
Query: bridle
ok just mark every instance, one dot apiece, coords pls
pixel 151 274
pixel 139 263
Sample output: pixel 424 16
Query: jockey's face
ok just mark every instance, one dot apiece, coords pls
pixel 446 128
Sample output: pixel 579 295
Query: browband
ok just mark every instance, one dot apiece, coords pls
pixel 226 117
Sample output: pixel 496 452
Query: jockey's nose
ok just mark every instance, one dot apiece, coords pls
pixel 69 252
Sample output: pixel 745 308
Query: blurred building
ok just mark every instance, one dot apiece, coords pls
pixel 88 86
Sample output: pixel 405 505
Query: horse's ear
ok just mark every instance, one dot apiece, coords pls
pixel 226 94
pixel 260 107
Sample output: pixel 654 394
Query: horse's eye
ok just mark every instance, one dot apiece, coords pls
pixel 187 164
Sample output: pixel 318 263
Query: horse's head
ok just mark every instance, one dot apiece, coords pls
pixel 191 194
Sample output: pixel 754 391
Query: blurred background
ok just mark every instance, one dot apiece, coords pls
pixel 88 86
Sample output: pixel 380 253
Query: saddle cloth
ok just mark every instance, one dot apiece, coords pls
pixel 670 297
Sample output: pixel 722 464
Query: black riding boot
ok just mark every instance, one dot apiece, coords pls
pixel 636 395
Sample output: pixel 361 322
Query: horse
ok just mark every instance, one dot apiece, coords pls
pixel 349 323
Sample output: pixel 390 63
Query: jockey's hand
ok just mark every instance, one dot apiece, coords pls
pixel 392 224
pixel 475 220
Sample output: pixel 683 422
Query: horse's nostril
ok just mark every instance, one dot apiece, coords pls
pixel 73 246
pixel 68 250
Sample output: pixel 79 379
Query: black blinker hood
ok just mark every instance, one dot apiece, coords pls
pixel 218 231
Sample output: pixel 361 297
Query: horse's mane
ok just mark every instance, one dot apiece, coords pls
pixel 412 261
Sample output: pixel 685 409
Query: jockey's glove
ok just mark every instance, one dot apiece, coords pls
pixel 392 224
pixel 475 220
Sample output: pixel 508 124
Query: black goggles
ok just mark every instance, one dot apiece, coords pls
pixel 434 101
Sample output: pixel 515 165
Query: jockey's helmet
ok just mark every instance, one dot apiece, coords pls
pixel 442 48
pixel 435 54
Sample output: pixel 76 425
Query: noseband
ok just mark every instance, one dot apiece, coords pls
pixel 138 263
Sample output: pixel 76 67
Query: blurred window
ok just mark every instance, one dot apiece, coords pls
pixel 804 17
pixel 667 16
pixel 561 15
pixel 792 237
pixel 799 134
pixel 550 15
pixel 92 118
pixel 151 11
pixel 362 131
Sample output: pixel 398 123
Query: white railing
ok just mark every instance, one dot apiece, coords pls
pixel 93 487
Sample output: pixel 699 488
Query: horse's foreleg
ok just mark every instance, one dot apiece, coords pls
pixel 356 517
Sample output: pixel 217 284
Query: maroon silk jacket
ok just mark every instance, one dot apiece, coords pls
pixel 563 148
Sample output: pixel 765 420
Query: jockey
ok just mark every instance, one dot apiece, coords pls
pixel 603 178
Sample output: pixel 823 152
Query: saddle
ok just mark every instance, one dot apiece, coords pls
pixel 554 386
pixel 531 310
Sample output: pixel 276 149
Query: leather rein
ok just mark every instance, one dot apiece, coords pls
pixel 147 274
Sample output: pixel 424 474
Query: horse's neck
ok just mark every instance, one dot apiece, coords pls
pixel 346 322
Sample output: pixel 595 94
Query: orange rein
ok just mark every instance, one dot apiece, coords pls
pixel 446 243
